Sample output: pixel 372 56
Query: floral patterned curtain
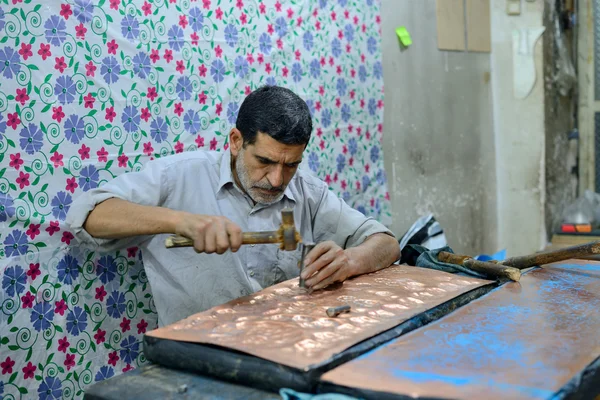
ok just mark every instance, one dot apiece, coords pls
pixel 90 89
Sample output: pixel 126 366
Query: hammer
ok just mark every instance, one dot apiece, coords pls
pixel 488 269
pixel 511 267
pixel 549 257
pixel 286 235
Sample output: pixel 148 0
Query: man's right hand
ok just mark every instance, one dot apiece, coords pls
pixel 210 233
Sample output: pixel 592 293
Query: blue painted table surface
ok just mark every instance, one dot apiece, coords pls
pixel 536 339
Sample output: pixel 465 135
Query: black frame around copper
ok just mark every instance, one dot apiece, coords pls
pixel 238 367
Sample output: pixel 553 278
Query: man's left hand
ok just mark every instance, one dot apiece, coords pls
pixel 327 263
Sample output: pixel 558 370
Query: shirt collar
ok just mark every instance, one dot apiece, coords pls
pixel 226 176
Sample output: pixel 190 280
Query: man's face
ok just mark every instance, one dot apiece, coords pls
pixel 265 168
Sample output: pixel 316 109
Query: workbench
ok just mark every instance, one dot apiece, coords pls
pixel 156 382
pixel 533 339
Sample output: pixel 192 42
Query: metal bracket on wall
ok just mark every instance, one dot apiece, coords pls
pixel 513 7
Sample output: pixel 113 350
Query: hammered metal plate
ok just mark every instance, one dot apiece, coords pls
pixel 525 340
pixel 287 325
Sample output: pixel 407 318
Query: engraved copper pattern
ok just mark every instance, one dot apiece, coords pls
pixel 288 325
pixel 523 340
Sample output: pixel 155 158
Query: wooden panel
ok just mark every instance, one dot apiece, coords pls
pixel 531 339
pixel 451 24
pixel 478 26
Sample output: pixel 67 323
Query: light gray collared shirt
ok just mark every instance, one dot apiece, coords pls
pixel 201 182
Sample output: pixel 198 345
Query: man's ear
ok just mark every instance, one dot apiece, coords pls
pixel 236 141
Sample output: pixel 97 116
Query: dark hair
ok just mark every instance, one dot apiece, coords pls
pixel 277 112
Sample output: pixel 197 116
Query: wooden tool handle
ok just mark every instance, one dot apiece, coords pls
pixel 493 270
pixel 178 241
pixel 247 238
pixel 548 257
pixel 488 269
pixel 261 237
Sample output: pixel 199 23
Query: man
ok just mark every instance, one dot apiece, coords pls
pixel 211 197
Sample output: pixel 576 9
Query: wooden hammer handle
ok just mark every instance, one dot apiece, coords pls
pixel 488 269
pixel 493 270
pixel 549 257
pixel 178 241
pixel 247 238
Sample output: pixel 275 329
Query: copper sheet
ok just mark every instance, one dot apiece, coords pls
pixel 287 325
pixel 523 340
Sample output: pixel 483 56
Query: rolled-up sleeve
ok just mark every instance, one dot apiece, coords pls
pixel 335 220
pixel 145 187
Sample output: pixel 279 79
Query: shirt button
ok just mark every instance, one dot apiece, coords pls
pixel 251 273
pixel 252 245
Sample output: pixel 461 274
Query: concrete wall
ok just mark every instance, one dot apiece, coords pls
pixel 438 137
pixel 457 142
pixel 560 107
pixel 519 136
pixel 587 105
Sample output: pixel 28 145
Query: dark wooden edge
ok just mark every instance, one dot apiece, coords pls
pixel 238 367
pixel 584 385
pixel 223 364
pixel 364 394
pixel 155 382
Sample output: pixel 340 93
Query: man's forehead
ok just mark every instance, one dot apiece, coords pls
pixel 267 147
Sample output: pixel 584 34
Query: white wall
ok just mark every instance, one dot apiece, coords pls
pixel 438 131
pixel 519 136
pixel 457 143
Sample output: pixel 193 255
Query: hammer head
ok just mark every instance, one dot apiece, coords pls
pixel 290 237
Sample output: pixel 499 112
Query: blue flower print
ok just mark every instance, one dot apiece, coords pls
pixel 191 121
pixel 31 139
pixel 176 37
pixel 232 112
pixel 159 129
pixel 83 10
pixel 115 304
pixel 7 207
pixel 9 62
pixel 110 69
pixel 65 89
pixel 88 178
pixel 264 43
pixel 61 204
pixel 50 389
pixel 105 372
pixel 141 64
pixel 184 88
pixel 131 119
pixel 231 35
pixel 196 19
pixel 217 70
pixel 15 243
pixel 313 161
pixel 56 30
pixel 129 349
pixel 14 280
pixel 130 27
pixel 42 316
pixel 106 269
pixel 74 129
pixel 76 321
pixel 68 269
